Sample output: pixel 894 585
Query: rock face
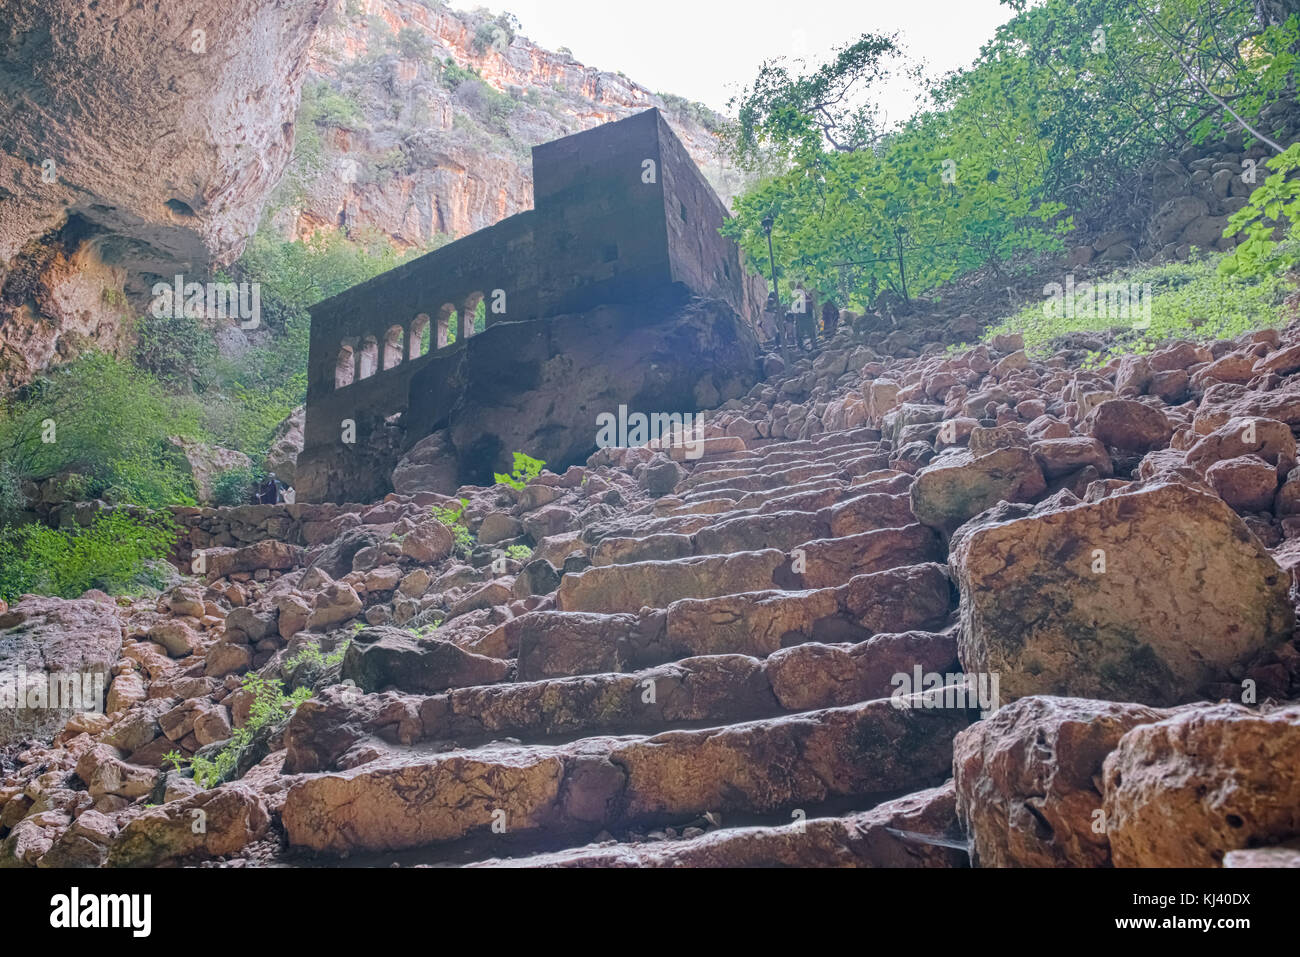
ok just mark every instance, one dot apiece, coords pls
pixel 1185 791
pixel 1120 599
pixel 227 76
pixel 74 641
pixel 1027 780
pixel 456 178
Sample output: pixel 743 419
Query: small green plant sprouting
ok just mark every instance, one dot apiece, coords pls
pixel 526 469
pixel 519 553
pixel 454 519
pixel 178 761
pixel 311 654
pixel 270 704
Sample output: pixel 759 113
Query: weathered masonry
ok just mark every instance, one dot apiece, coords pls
pixel 621 215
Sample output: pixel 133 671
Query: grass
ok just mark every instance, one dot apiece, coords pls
pixel 1186 300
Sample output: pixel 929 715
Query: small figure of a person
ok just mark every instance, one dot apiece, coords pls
pixel 830 319
pixel 268 493
pixel 805 314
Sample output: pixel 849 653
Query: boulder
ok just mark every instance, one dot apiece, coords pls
pixel 957 486
pixel 1028 780
pixel 386 657
pixel 46 646
pixel 1118 599
pixel 1186 791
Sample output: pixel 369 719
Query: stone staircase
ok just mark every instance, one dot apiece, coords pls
pixel 717 677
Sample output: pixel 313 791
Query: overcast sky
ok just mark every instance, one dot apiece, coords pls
pixel 707 49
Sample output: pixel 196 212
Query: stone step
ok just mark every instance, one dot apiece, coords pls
pixel 712 689
pixel 550 644
pixel 656 584
pixel 865 839
pixel 411 799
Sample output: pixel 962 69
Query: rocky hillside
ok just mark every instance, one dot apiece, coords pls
pixel 435 112
pixel 789 650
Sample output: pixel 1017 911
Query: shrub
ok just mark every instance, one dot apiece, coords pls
pixel 235 486
pixel 104 419
pixel 412 44
pixel 526 469
pixel 270 706
pixel 177 351
pixel 113 555
pixel 454 519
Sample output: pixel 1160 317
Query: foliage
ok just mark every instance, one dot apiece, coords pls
pixel 1067 100
pixel 519 553
pixel 106 420
pixel 270 706
pixel 496 33
pixel 311 654
pixel 180 352
pixel 526 469
pixel 454 519
pixel 235 486
pixel 1272 204
pixel 1186 299
pixel 113 554
pixel 412 44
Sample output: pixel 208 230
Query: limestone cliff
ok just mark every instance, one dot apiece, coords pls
pixel 416 146
pixel 139 139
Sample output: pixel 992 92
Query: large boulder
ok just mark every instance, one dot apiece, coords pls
pixel 384 657
pixel 1185 791
pixel 48 646
pixel 1126 599
pixel 1029 780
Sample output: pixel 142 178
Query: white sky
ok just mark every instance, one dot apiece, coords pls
pixel 707 49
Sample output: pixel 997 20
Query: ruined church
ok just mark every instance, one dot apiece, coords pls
pixel 623 225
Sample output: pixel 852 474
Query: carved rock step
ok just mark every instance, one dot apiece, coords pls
pixel 844 512
pixel 841 456
pixel 415 799
pixel 713 688
pixel 615 588
pixel 557 644
pixel 857 840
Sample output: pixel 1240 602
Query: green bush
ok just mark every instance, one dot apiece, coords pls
pixel 235 486
pixel 113 555
pixel 180 352
pixel 526 469
pixel 270 706
pixel 454 519
pixel 106 420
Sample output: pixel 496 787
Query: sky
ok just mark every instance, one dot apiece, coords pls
pixel 707 50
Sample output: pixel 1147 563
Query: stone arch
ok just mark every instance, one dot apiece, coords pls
pixel 345 367
pixel 394 346
pixel 421 327
pixel 448 325
pixel 369 362
pixel 475 313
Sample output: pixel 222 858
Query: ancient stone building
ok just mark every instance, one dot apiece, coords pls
pixel 622 218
